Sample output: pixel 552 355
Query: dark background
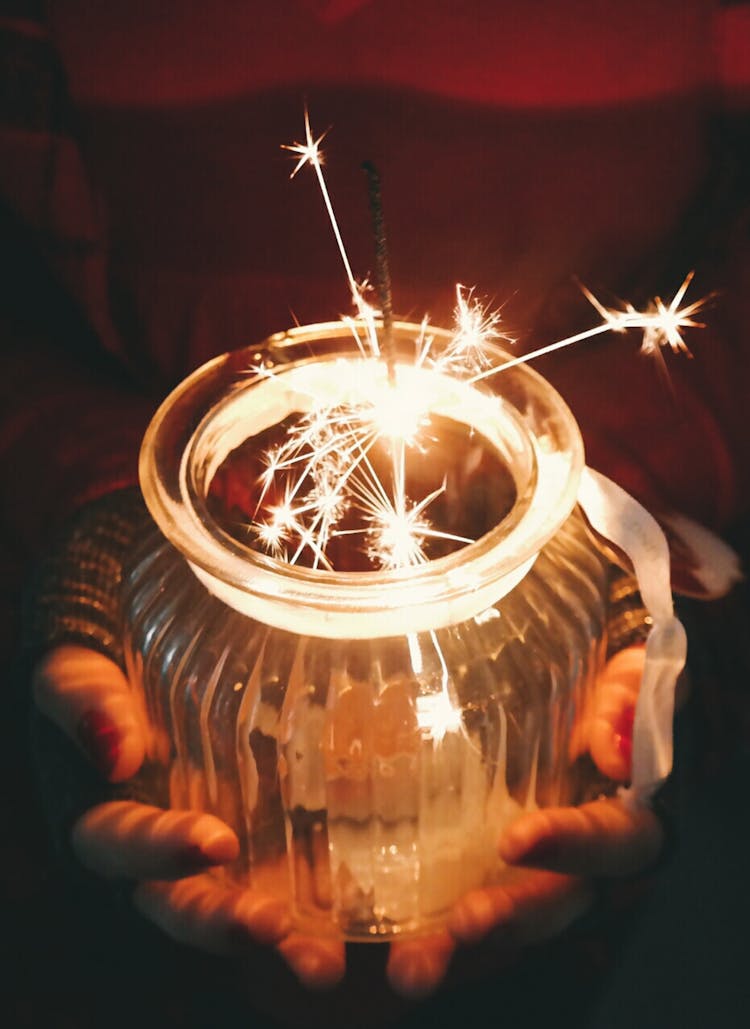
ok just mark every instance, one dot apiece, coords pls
pixel 672 951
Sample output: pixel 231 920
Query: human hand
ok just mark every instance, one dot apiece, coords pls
pixel 552 853
pixel 553 850
pixel 165 853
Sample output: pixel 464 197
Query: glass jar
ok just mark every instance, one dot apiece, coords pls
pixel 367 734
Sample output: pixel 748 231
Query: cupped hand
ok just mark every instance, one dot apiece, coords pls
pixel 166 853
pixel 551 853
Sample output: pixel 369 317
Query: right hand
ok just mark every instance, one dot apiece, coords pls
pixel 167 853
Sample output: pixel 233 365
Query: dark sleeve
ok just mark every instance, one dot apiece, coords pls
pixel 72 410
pixel 71 416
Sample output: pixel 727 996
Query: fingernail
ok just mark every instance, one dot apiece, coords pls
pixel 266 920
pixel 244 936
pixel 624 722
pixel 221 847
pixel 624 746
pixel 412 975
pixel 314 969
pixel 101 740
pixel 307 966
pixel 623 732
pixel 472 916
pixel 540 853
pixel 314 965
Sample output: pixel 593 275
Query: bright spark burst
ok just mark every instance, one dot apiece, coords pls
pixel 274 533
pixel 474 325
pixel 324 467
pixel 396 416
pixel 437 715
pixel 398 538
pixel 661 323
pixel 308 152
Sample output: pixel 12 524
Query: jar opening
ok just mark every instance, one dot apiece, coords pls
pixel 493 475
pixel 328 489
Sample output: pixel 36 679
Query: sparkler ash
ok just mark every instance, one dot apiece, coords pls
pixel 379 480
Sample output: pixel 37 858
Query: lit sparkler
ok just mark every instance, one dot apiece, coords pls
pixel 324 469
pixel 661 325
pixel 475 325
pixel 309 153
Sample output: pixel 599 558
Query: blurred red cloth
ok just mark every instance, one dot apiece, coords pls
pixel 516 152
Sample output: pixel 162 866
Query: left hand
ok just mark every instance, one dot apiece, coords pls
pixel 554 852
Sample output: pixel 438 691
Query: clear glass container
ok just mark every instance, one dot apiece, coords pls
pixel 366 733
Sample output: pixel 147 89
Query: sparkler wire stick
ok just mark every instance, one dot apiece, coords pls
pixel 309 153
pixel 523 358
pixel 661 326
pixel 382 271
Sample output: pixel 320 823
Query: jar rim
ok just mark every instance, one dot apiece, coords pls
pixel 318 602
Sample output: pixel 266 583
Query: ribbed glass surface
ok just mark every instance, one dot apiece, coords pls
pixel 368 779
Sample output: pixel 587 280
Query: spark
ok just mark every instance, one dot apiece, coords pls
pixel 397 538
pixel 325 468
pixel 331 446
pixel 275 532
pixel 661 325
pixel 397 529
pixel 272 537
pixel 310 153
pixel 667 322
pixel 474 325
pixel 323 473
pixel 437 713
pixel 397 416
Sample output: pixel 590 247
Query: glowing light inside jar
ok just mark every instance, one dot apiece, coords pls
pixel 396 774
pixel 324 465
pixel 356 497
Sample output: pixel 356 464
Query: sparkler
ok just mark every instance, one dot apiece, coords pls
pixel 309 153
pixel 661 325
pixel 383 275
pixel 324 469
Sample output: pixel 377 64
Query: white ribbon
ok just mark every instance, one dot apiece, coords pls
pixel 616 516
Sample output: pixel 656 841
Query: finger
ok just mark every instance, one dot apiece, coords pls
pixel 416 967
pixel 89 698
pixel 611 727
pixel 602 838
pixel 124 839
pixel 532 906
pixel 203 912
pixel 319 962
